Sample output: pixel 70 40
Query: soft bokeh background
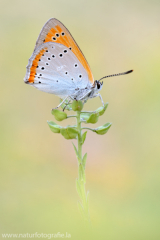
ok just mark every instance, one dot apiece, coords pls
pixel 38 168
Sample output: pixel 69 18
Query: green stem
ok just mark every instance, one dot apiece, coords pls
pixel 71 116
pixel 81 176
pixel 79 135
pixel 91 129
pixel 88 112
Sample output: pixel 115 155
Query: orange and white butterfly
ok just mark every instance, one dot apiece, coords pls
pixel 58 66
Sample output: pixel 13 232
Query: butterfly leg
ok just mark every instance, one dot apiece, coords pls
pixel 61 102
pixel 66 105
pixel 99 95
pixel 83 97
pixel 84 101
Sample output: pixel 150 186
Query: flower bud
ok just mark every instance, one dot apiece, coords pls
pixel 54 127
pixel 59 115
pixel 85 115
pixel 69 132
pixel 77 105
pixel 103 129
pixel 93 118
pixel 102 109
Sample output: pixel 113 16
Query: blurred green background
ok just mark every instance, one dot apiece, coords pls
pixel 38 168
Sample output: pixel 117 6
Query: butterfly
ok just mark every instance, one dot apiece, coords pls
pixel 58 66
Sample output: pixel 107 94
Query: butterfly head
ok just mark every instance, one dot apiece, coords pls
pixel 98 85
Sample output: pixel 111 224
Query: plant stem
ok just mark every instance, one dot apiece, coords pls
pixel 79 135
pixel 71 116
pixel 92 129
pixel 81 176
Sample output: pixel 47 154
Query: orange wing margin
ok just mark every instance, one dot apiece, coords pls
pixel 55 31
pixel 34 65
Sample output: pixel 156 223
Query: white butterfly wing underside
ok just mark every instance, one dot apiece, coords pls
pixel 54 68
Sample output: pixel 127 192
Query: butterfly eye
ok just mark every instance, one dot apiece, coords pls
pixel 98 85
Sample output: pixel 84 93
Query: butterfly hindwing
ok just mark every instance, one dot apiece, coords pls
pixel 55 31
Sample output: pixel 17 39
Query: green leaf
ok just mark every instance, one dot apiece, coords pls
pixel 84 137
pixel 54 127
pixel 77 154
pixel 69 132
pixel 59 115
pixel 102 109
pixel 84 160
pixel 93 118
pixel 103 129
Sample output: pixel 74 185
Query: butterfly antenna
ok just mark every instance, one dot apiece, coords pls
pixel 113 75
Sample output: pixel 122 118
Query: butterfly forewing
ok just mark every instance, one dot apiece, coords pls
pixel 55 31
pixel 55 69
